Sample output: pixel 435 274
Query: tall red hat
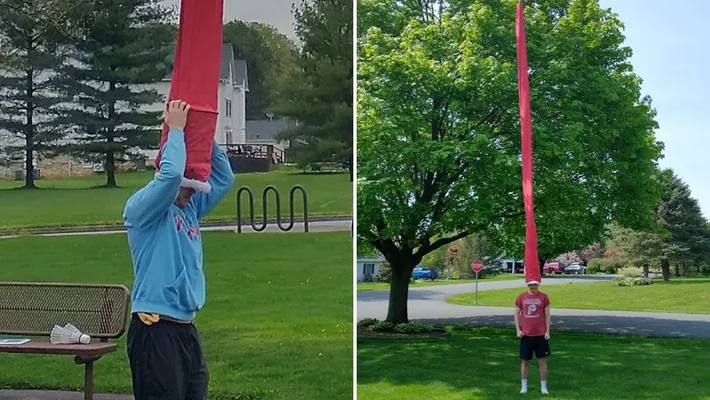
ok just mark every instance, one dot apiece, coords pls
pixel 195 80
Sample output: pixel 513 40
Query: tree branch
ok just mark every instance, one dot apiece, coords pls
pixel 440 242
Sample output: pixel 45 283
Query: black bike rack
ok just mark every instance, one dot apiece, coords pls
pixel 277 196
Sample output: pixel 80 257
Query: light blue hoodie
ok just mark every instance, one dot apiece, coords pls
pixel 165 240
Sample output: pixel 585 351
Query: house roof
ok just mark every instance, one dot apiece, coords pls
pixel 238 68
pixel 264 129
pixel 240 76
pixel 227 60
pixel 371 259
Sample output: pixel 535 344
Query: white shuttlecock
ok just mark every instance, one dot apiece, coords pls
pixel 68 334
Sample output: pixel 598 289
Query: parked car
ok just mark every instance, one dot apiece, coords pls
pixel 574 269
pixel 553 268
pixel 424 273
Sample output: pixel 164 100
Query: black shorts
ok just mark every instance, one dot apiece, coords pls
pixel 534 344
pixel 166 361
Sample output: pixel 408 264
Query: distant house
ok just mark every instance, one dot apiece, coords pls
pixel 231 100
pixel 265 131
pixel 368 265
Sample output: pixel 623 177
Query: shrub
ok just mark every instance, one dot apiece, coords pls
pixel 413 328
pixel 369 278
pixel 382 326
pixel 604 265
pixel 627 281
pixel 384 274
pixel 365 322
pixel 610 269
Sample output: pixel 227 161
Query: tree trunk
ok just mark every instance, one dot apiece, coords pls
pixel 29 165
pixel 110 161
pixel 542 261
pixel 645 271
pixel 399 292
pixel 29 129
pixel 666 269
pixel 351 167
pixel 677 271
pixel 110 170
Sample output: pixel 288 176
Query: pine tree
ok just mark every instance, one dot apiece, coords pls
pixel 126 45
pixel 681 238
pixel 31 34
pixel 320 96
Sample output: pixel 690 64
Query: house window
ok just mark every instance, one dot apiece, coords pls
pixel 228 105
pixel 368 269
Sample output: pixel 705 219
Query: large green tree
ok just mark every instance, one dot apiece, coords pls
pixel 125 46
pixel 270 57
pixel 439 134
pixel 31 36
pixel 319 95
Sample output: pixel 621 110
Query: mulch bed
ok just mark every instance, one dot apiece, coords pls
pixel 438 333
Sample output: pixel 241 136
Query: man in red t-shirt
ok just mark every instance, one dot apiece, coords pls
pixel 532 322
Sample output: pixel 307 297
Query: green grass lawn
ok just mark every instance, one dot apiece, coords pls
pixel 368 287
pixel 483 364
pixel 277 323
pixel 72 202
pixel 690 295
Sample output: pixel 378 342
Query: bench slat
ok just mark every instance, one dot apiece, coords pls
pixel 44 347
pixel 32 309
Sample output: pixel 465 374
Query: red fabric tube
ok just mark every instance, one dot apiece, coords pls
pixel 195 80
pixel 532 265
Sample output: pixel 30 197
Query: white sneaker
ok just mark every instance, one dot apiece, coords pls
pixel 523 390
pixel 544 391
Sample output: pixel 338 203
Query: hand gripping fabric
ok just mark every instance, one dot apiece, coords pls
pixel 195 80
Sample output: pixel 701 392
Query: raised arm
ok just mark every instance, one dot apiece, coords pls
pixel 152 201
pixel 221 180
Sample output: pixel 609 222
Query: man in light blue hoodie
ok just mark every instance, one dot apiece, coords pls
pixel 163 226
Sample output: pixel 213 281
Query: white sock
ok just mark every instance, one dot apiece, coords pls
pixel 543 386
pixel 524 385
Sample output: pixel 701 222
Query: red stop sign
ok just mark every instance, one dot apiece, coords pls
pixel 477 266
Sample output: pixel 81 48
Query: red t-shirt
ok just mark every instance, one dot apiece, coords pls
pixel 532 316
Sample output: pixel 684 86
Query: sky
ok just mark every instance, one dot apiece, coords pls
pixel 272 12
pixel 670 44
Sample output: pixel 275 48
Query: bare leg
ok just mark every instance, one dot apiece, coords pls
pixel 525 369
pixel 543 375
pixel 543 368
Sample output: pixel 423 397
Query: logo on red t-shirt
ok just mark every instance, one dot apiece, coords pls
pixel 532 315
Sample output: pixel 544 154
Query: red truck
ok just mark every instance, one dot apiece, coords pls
pixel 553 268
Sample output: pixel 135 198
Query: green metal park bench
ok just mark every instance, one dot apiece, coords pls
pixel 30 310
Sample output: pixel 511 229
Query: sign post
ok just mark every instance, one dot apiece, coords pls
pixel 477 266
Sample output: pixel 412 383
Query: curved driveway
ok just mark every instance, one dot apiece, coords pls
pixel 429 304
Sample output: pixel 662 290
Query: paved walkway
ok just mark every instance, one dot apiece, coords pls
pixel 320 225
pixel 53 395
pixel 429 304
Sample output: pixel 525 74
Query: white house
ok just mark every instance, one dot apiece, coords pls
pixel 369 265
pixel 233 86
pixel 231 100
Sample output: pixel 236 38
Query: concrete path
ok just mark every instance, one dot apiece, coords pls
pixel 429 304
pixel 53 395
pixel 334 225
